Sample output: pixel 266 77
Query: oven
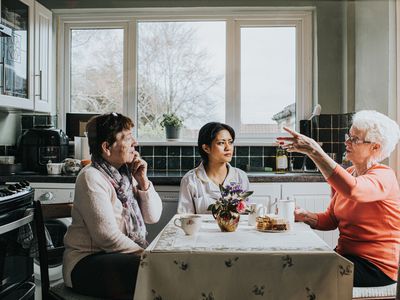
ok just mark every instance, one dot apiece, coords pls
pixel 16 264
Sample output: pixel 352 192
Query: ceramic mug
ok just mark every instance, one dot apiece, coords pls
pixel 54 168
pixel 256 210
pixel 190 224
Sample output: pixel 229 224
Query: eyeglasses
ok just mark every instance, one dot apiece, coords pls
pixel 354 139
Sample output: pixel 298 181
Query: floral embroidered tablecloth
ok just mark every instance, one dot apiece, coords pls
pixel 243 265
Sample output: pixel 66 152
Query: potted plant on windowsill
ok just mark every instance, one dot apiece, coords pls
pixel 172 124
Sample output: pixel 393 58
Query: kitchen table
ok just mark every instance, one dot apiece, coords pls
pixel 246 264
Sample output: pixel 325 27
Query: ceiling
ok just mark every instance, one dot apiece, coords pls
pixel 58 4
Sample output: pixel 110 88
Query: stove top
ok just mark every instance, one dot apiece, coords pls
pixel 15 190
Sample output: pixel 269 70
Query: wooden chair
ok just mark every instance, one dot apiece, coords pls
pixel 47 256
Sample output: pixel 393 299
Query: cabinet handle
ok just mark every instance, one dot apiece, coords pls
pixel 40 84
pixel 3 82
pixel 4 75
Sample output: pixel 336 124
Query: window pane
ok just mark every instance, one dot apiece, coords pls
pixel 268 78
pixel 181 70
pixel 96 70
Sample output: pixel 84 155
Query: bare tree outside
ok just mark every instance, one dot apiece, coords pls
pixel 175 75
pixel 96 70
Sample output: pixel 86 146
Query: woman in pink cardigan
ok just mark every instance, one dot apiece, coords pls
pixel 365 204
pixel 114 199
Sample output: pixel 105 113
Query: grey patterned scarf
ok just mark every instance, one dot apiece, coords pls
pixel 121 180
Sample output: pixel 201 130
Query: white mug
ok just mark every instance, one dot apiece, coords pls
pixel 286 209
pixel 54 168
pixel 256 210
pixel 190 224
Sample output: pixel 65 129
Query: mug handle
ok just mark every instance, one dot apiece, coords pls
pixel 180 226
pixel 263 209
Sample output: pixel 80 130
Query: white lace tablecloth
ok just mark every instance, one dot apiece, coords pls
pixel 245 265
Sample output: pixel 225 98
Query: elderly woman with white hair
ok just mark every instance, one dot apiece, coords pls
pixel 365 204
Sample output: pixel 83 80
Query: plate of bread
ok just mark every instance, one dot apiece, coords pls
pixel 272 223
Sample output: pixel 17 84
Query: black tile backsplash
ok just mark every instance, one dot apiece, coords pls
pixel 160 163
pixel 326 129
pixel 329 130
pixel 242 162
pixel 174 150
pixel 186 157
pixel 160 151
pixel 187 151
pixel 146 150
pixel 242 150
pixel 256 161
pixel 256 151
pixel 269 151
pixel 187 163
pixel 174 163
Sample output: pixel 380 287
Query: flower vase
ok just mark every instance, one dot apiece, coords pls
pixel 228 224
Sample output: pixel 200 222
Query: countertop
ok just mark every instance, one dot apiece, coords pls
pixel 174 177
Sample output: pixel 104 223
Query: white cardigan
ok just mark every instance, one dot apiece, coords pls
pixel 197 191
pixel 97 224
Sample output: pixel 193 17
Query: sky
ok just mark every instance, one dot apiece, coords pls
pixel 267 65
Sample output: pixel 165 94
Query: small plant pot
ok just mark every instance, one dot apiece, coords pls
pixel 172 133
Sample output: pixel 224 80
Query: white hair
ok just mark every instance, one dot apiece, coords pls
pixel 378 129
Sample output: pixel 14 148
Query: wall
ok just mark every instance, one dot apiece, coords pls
pixel 10 127
pixel 374 53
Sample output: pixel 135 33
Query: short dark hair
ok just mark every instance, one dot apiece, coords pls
pixel 208 133
pixel 104 128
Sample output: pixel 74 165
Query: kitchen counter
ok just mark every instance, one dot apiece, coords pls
pixel 174 177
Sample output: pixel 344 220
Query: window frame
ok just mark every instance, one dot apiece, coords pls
pixel 303 93
pixel 127 19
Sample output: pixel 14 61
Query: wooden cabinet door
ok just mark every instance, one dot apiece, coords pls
pixel 314 197
pixel 43 58
pixel 265 194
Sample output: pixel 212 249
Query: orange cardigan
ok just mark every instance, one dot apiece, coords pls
pixel 366 209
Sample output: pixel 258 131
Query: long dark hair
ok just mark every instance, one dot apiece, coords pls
pixel 208 133
pixel 104 128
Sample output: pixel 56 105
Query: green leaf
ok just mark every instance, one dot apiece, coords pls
pixel 244 195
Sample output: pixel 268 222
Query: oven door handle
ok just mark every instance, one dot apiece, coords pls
pixel 14 225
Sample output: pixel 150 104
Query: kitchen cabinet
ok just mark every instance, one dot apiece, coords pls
pixel 169 196
pixel 16 59
pixel 265 194
pixel 312 196
pixel 43 58
pixel 26 56
pixel 52 193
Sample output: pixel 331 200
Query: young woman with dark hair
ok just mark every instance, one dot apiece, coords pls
pixel 200 186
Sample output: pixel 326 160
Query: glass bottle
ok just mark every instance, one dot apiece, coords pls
pixel 281 159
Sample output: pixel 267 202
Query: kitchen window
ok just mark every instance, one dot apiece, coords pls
pixel 251 69
pixel 96 70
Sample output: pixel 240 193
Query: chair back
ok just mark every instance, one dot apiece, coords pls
pixel 42 213
pixel 398 285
